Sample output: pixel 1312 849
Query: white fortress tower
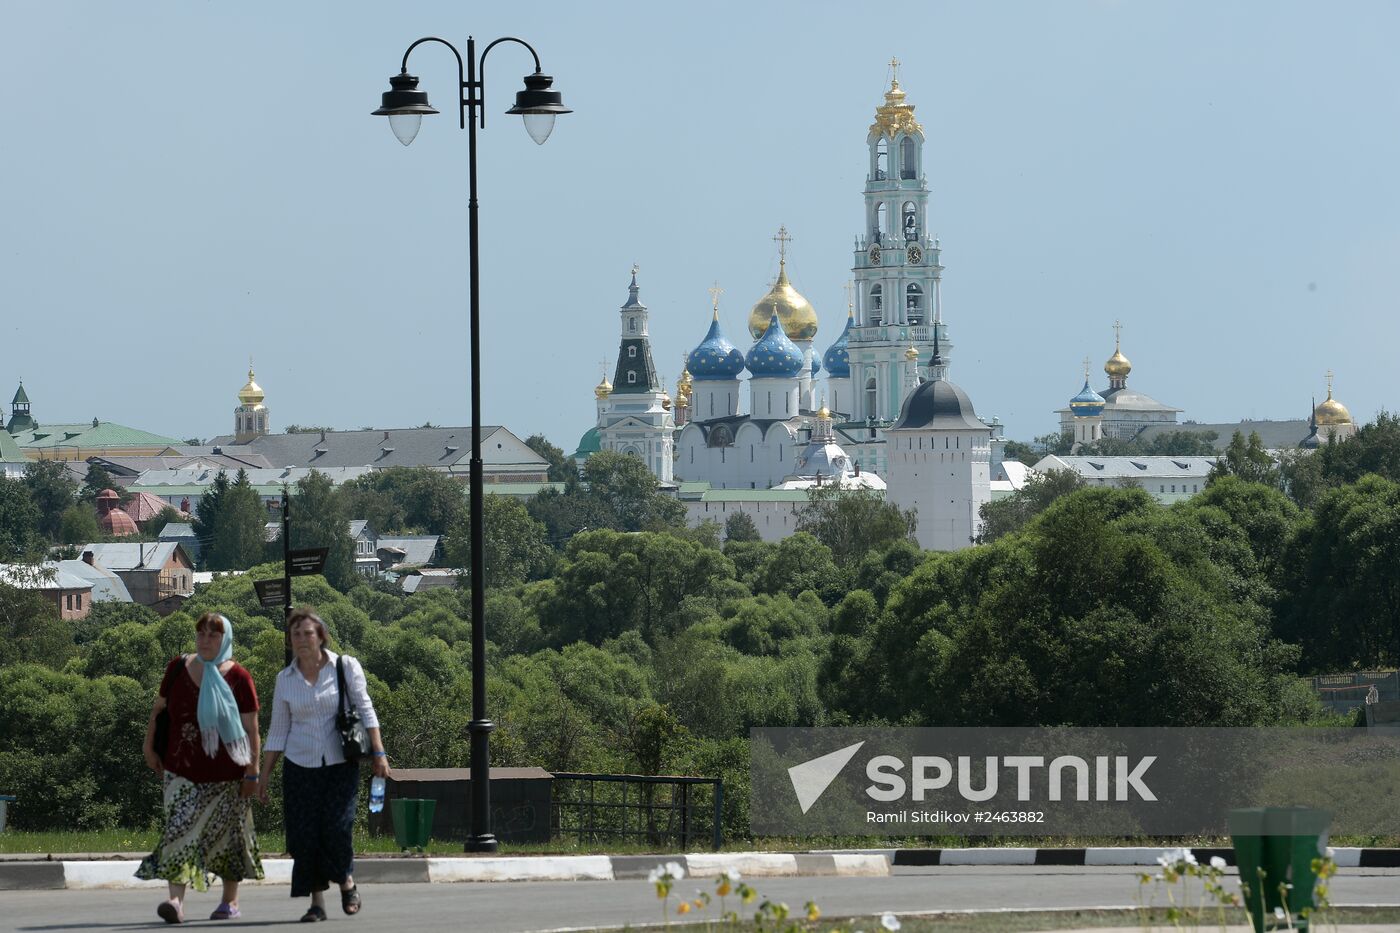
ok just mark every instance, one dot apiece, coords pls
pixel 939 462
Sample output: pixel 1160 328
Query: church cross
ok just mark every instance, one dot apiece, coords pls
pixel 1086 369
pixel 715 291
pixel 1117 334
pixel 782 239
pixel 1329 383
pixel 850 288
pixel 894 71
pixel 635 269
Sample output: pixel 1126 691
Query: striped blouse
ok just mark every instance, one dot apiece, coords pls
pixel 303 714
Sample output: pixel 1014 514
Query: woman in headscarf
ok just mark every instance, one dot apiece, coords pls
pixel 210 768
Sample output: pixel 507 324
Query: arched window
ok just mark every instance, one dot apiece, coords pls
pixel 631 378
pixel 632 352
pixel 880 218
pixel 882 159
pixel 909 221
pixel 914 303
pixel 870 397
pixel 907 160
pixel 877 311
pixel 632 325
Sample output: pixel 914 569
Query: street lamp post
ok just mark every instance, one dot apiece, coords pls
pixel 405 106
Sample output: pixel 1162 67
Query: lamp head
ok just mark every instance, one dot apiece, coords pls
pixel 539 106
pixel 404 105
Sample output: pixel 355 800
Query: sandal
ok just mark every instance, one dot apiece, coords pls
pixel 225 911
pixel 170 912
pixel 350 900
pixel 313 914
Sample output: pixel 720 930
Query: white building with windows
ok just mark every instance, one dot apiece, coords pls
pixel 1166 479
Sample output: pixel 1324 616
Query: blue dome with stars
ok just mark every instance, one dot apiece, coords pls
pixel 1088 403
pixel 837 360
pixel 774 354
pixel 716 357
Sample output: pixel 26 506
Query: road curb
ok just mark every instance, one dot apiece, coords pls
pixel 81 874
pixel 111 874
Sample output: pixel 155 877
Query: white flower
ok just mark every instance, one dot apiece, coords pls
pixel 675 870
pixel 1278 913
pixel 889 921
pixel 654 875
pixel 732 874
pixel 1188 857
pixel 1217 862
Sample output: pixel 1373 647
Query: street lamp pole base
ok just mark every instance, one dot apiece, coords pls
pixel 483 843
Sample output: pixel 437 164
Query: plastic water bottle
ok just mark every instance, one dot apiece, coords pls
pixel 376 795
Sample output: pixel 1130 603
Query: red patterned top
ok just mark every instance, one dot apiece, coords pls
pixel 184 755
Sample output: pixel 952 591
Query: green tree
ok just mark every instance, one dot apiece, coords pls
pixel 1012 513
pixel 561 468
pixel 1342 590
pixel 78 525
pixel 319 519
pixel 853 522
pixel 1056 442
pixel 207 514
pixel 740 527
pixel 625 494
pixel 96 480
pixel 1246 459
pixel 52 491
pixel 406 500
pixel 239 540
pixel 31 630
pixel 517 546
pixel 19 521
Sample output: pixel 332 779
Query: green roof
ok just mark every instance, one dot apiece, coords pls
pixel 9 450
pixel 102 434
pixel 755 495
pixel 21 397
pixel 588 444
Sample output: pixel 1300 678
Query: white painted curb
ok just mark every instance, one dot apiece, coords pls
pixel 542 868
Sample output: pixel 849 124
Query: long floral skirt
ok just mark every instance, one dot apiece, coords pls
pixel 208 832
pixel 319 806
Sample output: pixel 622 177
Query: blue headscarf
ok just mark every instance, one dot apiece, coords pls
pixel 219 719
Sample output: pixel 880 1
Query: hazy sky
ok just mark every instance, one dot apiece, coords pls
pixel 189 183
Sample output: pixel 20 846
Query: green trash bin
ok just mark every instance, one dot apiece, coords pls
pixel 413 822
pixel 1275 848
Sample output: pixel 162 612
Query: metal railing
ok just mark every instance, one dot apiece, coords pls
pixel 656 810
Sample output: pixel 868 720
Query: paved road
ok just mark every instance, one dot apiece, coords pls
pixel 545 905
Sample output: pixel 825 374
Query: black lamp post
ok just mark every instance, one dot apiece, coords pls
pixel 405 106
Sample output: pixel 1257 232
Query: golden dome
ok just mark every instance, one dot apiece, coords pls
pixel 665 402
pixel 795 313
pixel 823 413
pixel 912 353
pixel 895 116
pixel 603 389
pixel 1117 364
pixel 252 393
pixel 1331 412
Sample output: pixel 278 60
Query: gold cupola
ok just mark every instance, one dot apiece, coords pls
pixel 1117 366
pixel 795 313
pixel 1331 412
pixel 912 353
pixel 895 116
pixel 252 393
pixel 603 389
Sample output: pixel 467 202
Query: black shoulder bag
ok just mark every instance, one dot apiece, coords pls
pixel 161 740
pixel 354 739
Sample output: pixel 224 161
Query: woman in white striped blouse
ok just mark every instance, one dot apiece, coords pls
pixel 319 786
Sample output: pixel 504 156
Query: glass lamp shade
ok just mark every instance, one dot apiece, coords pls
pixel 539 126
pixel 405 126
